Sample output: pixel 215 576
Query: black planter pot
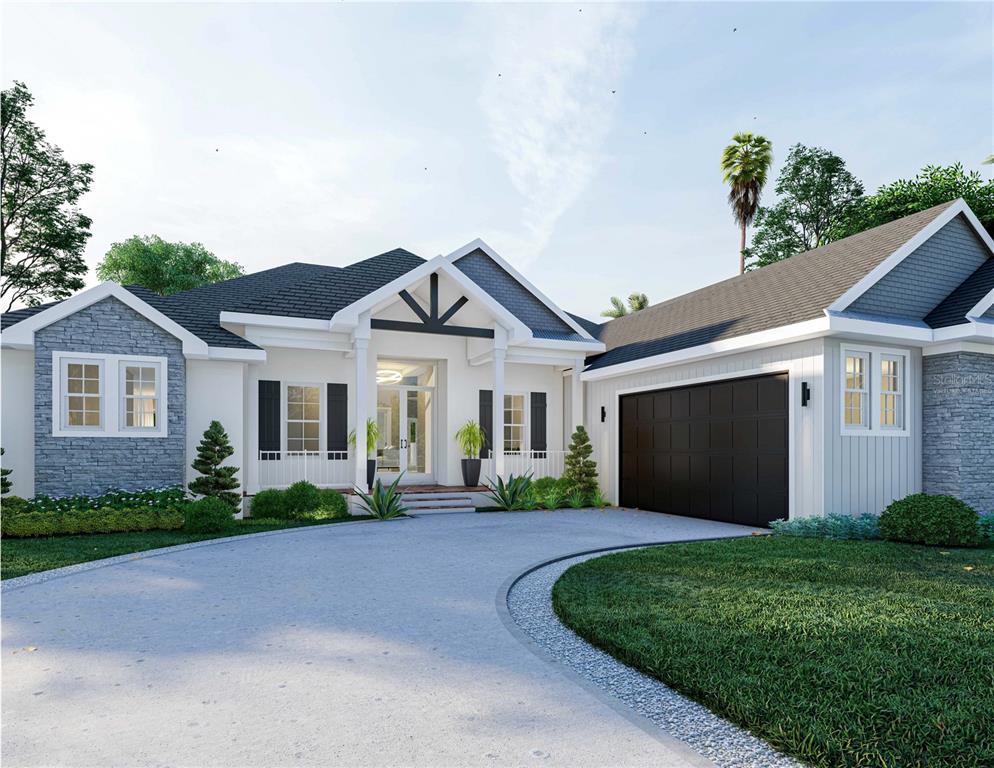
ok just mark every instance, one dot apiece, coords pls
pixel 471 472
pixel 370 472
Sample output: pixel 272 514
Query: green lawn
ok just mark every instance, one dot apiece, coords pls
pixel 841 653
pixel 21 556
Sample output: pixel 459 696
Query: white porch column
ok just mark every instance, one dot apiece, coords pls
pixel 497 439
pixel 576 394
pixel 360 343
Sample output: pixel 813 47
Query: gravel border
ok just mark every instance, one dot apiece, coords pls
pixel 529 605
pixel 19 582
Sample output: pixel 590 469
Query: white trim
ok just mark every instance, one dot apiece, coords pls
pixel 479 244
pixel 981 306
pixel 807 329
pixel 563 345
pixel 525 419
pixel 885 266
pixel 322 389
pixel 122 399
pixel 237 355
pixel 112 408
pixel 957 346
pixel 763 370
pixel 900 331
pixel 21 335
pixel 273 321
pixel 875 354
pixel 866 408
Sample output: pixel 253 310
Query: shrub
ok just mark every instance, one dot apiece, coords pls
pixel 332 503
pixel 581 471
pixel 515 494
pixel 543 485
pixel 208 515
pixel 77 521
pixel 577 499
pixel 5 484
pixel 553 498
pixel 936 520
pixel 170 497
pixel 15 505
pixel 829 527
pixel 599 500
pixel 382 502
pixel 269 503
pixel 986 527
pixel 216 480
pixel 301 499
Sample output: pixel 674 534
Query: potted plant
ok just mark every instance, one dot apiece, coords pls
pixel 372 437
pixel 471 438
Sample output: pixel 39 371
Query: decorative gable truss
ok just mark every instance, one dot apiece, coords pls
pixel 431 321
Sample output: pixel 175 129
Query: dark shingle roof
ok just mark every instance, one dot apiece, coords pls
pixel 953 309
pixel 594 329
pixel 790 291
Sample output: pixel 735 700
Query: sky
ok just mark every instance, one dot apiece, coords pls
pixel 580 141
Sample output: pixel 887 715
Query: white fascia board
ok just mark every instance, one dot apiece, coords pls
pixel 479 244
pixel 913 334
pixel 273 321
pixel 981 306
pixel 885 266
pixel 236 355
pixel 580 347
pixel 958 346
pixel 21 335
pixel 802 331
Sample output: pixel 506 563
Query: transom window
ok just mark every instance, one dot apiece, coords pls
pixel 514 423
pixel 891 394
pixel 82 394
pixel 141 402
pixel 856 399
pixel 303 418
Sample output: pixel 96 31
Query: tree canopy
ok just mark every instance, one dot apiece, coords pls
pixel 745 164
pixel 815 195
pixel 636 302
pixel 164 267
pixel 42 231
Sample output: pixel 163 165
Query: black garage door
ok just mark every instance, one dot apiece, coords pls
pixel 717 450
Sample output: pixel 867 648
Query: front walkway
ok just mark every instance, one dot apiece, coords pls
pixel 367 644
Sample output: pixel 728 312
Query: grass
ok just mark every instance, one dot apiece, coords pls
pixel 841 653
pixel 22 556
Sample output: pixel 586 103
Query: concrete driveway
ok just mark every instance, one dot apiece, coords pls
pixel 364 644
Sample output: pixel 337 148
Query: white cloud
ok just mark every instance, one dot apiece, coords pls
pixel 549 104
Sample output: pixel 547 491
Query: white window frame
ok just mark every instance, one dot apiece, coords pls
pixel 322 416
pixel 867 399
pixel 525 421
pixel 901 392
pixel 112 394
pixel 158 367
pixel 874 357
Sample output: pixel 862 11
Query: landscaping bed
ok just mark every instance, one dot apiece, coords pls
pixel 19 557
pixel 854 653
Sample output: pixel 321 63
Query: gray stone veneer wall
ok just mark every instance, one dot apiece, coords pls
pixel 91 465
pixel 958 427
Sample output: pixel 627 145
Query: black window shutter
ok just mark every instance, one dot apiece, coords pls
pixel 338 418
pixel 539 441
pixel 486 420
pixel 269 419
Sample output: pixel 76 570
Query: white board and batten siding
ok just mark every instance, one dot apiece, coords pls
pixel 802 361
pixel 865 472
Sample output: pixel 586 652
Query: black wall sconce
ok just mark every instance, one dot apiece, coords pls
pixel 805 393
pixel 603 414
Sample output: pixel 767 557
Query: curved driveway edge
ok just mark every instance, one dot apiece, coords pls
pixel 524 603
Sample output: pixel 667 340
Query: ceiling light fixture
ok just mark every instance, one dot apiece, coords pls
pixel 388 376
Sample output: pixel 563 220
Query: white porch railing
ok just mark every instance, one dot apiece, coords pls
pixel 539 463
pixel 326 469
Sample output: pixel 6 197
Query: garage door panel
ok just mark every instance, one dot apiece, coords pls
pixel 716 450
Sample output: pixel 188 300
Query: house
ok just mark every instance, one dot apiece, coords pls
pixel 835 381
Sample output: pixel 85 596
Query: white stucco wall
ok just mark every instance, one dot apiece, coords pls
pixel 17 430
pixel 802 361
pixel 215 392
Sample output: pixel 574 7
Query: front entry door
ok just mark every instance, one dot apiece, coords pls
pixel 405 418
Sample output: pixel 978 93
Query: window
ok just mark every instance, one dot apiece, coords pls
pixel 856 398
pixel 891 392
pixel 514 423
pixel 141 402
pixel 303 418
pixel 82 393
pixel 98 395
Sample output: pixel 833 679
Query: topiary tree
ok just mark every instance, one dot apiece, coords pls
pixel 215 480
pixel 5 484
pixel 580 476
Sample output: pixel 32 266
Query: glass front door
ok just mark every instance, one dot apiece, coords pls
pixel 404 413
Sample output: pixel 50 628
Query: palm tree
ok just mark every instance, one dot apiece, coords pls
pixel 744 165
pixel 989 160
pixel 636 302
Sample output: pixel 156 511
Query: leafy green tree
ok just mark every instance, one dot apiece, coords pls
pixel 164 267
pixel 5 484
pixel 933 185
pixel 42 232
pixel 816 194
pixel 215 480
pixel 636 303
pixel 580 476
pixel 745 164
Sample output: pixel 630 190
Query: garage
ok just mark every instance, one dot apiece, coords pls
pixel 716 451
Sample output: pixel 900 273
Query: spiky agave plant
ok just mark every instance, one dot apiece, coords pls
pixel 514 494
pixel 383 503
